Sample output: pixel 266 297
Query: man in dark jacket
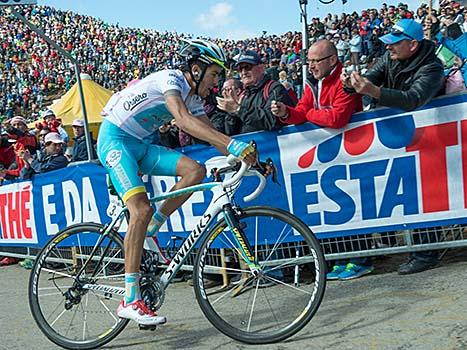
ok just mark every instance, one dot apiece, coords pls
pixel 408 76
pixel 50 158
pixel 253 107
pixel 80 150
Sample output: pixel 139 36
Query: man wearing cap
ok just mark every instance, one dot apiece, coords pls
pixel 21 139
pixel 50 158
pixel 253 107
pixel 80 150
pixel 408 75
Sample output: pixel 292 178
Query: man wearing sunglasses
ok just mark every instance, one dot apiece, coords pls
pixel 408 75
pixel 324 102
pixel 253 108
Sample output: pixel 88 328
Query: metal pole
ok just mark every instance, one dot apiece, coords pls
pixel 77 73
pixel 85 114
pixel 303 18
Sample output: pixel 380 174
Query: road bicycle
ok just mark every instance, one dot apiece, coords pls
pixel 77 279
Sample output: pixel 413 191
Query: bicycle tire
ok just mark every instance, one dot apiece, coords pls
pixel 227 317
pixel 52 266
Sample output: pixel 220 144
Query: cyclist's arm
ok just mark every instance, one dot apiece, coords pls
pixel 195 126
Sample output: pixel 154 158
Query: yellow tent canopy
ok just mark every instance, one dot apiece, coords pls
pixel 68 107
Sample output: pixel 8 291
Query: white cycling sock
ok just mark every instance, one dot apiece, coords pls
pixel 157 220
pixel 132 291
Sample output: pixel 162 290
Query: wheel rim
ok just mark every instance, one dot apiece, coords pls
pixel 77 311
pixel 274 302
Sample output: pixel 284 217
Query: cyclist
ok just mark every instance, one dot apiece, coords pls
pixel 124 148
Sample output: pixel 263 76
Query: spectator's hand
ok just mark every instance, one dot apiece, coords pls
pixel 230 102
pixel 227 104
pixel 345 79
pixel 25 155
pixel 2 174
pixel 278 108
pixel 363 86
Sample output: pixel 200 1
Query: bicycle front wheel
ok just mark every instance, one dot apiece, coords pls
pixel 75 286
pixel 275 297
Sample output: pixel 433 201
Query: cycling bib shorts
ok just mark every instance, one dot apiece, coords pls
pixel 125 157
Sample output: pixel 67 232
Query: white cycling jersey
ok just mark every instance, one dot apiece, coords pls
pixel 140 108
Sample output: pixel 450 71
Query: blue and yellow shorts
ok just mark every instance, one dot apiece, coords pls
pixel 125 157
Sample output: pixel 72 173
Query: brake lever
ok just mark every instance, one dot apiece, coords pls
pixel 262 169
pixel 270 163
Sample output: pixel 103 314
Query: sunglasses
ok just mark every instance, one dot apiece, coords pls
pixel 246 66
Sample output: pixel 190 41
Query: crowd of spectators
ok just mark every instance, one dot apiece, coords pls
pixel 31 73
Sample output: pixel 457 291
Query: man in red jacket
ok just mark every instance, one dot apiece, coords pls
pixel 324 101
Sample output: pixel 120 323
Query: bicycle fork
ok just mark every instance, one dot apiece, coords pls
pixel 244 248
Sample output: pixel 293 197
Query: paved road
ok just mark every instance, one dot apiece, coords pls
pixel 380 311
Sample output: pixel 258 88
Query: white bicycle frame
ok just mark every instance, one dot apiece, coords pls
pixel 222 191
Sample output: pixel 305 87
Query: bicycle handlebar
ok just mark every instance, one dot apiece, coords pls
pixel 245 170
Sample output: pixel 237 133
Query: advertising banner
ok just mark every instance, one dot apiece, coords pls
pixel 387 170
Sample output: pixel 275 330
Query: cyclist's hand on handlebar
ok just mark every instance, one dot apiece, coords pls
pixel 242 150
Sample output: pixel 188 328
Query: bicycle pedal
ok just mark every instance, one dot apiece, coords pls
pixel 143 327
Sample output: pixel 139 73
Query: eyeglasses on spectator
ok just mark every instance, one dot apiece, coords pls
pixel 318 60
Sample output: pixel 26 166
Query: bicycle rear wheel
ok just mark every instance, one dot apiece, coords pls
pixel 75 307
pixel 276 298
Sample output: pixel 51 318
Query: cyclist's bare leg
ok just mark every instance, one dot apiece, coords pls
pixel 191 173
pixel 140 215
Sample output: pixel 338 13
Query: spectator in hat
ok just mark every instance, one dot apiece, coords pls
pixel 21 139
pixel 253 108
pixel 408 76
pixel 50 158
pixel 80 150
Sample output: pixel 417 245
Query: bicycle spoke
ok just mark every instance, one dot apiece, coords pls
pixel 287 285
pixel 85 317
pixel 71 321
pixel 58 273
pixel 105 307
pixel 81 255
pixel 110 260
pixel 58 317
pixel 253 305
pixel 266 306
pixel 256 239
pixel 270 307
